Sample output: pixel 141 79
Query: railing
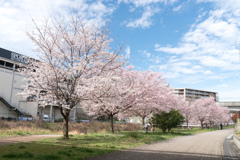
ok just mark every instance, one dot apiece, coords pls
pixel 11 104
pixel 7 100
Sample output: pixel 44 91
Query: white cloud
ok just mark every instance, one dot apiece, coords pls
pixel 187 47
pixel 150 8
pixel 152 58
pixel 174 59
pixel 223 85
pixel 145 21
pixel 145 52
pixel 16 17
pixel 142 3
pixel 177 8
pixel 212 42
pixel 128 52
pixel 219 77
pixel 207 72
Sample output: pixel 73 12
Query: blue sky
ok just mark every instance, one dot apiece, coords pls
pixel 194 43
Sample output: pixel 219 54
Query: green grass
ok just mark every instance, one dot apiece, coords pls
pixel 83 146
pixel 23 132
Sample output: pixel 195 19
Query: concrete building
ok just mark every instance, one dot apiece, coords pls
pixel 234 107
pixel 192 94
pixel 12 105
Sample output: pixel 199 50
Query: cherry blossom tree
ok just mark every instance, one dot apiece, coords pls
pixel 72 57
pixel 219 114
pixel 153 95
pixel 114 95
pixel 206 110
pixel 202 108
pixel 188 110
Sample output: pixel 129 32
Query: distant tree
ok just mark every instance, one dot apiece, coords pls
pixel 235 117
pixel 207 111
pixel 202 108
pixel 153 97
pixel 167 121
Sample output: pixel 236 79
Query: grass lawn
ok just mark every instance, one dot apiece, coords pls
pixel 83 146
pixel 23 132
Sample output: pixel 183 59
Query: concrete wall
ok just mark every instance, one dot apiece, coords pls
pixel 6 83
pixel 10 85
pixel 236 141
pixel 236 103
pixel 17 87
pixel 5 112
pixel 32 108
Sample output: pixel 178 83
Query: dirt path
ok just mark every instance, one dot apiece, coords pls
pixel 203 146
pixel 11 140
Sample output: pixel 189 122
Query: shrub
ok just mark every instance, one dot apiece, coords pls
pixel 167 121
pixel 59 120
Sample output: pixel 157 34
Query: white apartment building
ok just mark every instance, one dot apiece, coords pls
pixel 192 94
pixel 12 105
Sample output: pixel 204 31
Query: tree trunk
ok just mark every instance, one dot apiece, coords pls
pixel 202 124
pixel 65 127
pixel 143 121
pixel 111 123
pixel 187 124
pixel 65 123
pixel 164 130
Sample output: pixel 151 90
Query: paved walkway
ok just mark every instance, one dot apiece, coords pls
pixel 203 146
pixel 4 141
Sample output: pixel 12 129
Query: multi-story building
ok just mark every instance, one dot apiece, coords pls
pixel 192 94
pixel 11 81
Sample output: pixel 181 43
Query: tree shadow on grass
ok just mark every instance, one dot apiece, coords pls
pixel 138 154
pixel 48 151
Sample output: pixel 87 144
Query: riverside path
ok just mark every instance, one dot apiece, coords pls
pixel 203 146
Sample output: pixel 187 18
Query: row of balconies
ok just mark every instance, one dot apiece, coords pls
pixel 199 92
pixel 195 95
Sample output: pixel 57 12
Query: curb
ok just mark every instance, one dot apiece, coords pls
pixel 229 148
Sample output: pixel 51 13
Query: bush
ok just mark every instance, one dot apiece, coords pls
pixel 167 121
pixel 58 120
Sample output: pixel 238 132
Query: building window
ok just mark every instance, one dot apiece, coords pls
pixel 9 65
pixel 16 66
pixel 2 63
